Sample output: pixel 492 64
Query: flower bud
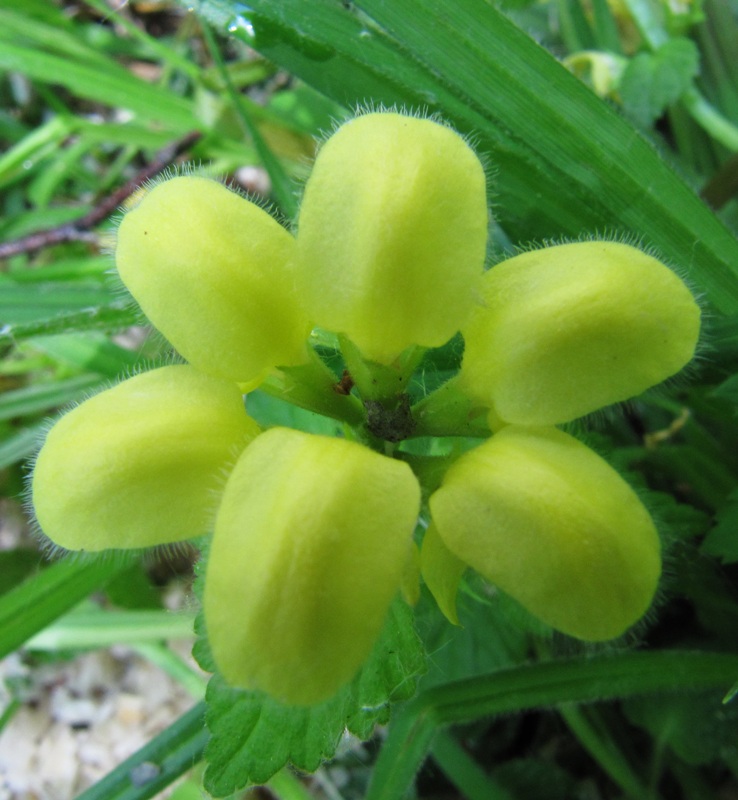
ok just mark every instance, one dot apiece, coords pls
pixel 548 521
pixel 311 542
pixel 138 465
pixel 566 330
pixel 392 233
pixel 210 270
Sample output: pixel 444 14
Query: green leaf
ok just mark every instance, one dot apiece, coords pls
pixel 20 445
pixel 253 736
pixel 576 680
pixel 564 162
pixel 103 318
pixel 45 396
pixel 90 352
pixel 722 540
pixel 34 301
pixel 653 81
pixel 696 726
pixel 728 389
pixel 39 600
pixel 113 86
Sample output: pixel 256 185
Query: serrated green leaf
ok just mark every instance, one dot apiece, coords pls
pixel 653 81
pixel 253 736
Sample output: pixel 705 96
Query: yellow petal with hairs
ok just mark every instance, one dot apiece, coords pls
pixel 311 543
pixel 210 269
pixel 392 233
pixel 566 330
pixel 552 524
pixel 139 464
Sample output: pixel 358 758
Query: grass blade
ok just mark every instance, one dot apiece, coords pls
pixel 39 600
pixel 536 686
pixel 157 764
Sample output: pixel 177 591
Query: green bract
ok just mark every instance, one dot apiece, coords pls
pixel 312 535
pixel 309 548
pixel 392 234
pixel 211 270
pixel 565 330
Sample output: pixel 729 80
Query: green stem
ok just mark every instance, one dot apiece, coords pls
pixel 165 758
pixel 535 686
pixel 464 772
pixel 710 119
pixel 281 184
pixel 96 628
pixel 648 18
pixel 596 740
pixel 287 786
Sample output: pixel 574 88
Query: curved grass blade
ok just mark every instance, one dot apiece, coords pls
pixel 541 685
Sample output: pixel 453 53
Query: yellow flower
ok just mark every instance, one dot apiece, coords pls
pixel 312 535
pixel 392 234
pixel 137 465
pixel 212 272
pixel 310 544
pixel 563 331
pixel 552 524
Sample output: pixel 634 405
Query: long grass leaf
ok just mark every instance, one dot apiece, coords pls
pixel 536 686
pixel 566 163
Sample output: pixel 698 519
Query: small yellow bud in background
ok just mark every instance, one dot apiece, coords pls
pixel 547 520
pixel 310 546
pixel 566 330
pixel 210 270
pixel 138 465
pixel 392 234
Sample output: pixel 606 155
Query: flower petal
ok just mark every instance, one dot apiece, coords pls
pixel 210 270
pixel 569 329
pixel 310 546
pixel 392 233
pixel 137 465
pixel 553 525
